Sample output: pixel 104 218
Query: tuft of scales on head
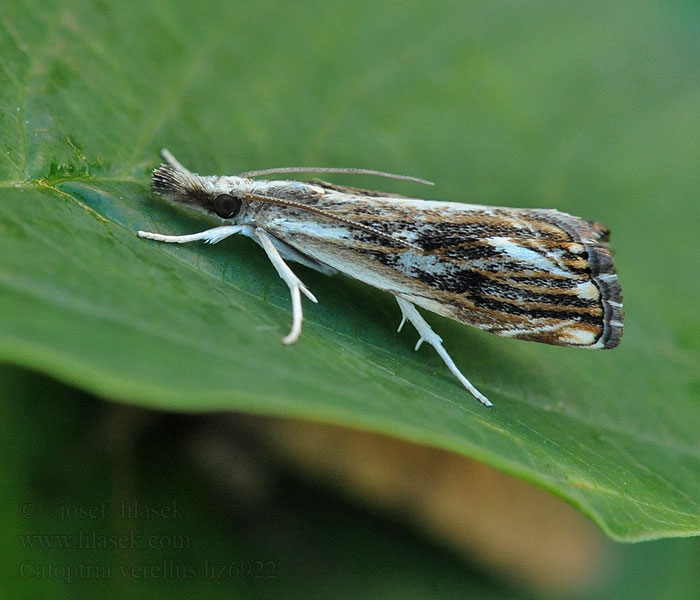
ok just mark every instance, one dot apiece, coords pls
pixel 214 195
pixel 183 186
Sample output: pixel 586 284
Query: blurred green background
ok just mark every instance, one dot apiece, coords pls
pixel 589 107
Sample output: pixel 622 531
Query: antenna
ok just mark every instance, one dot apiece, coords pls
pixel 350 170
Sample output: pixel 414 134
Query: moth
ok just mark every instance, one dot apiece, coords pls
pixel 530 274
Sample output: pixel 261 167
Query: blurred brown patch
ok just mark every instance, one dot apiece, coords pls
pixel 515 529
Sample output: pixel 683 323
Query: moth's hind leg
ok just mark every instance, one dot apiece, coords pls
pixel 410 313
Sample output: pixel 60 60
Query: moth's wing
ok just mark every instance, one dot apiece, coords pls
pixel 538 275
pixel 600 231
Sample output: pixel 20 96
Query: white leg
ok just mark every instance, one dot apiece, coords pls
pixel 403 322
pixel 293 283
pixel 210 236
pixel 426 334
pixel 172 161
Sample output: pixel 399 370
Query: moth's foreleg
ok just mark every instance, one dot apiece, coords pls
pixel 211 236
pixel 173 162
pixel 293 283
pixel 426 334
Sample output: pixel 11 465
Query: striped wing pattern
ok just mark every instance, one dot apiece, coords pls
pixel 539 275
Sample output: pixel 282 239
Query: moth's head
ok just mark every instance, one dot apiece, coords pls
pixel 220 196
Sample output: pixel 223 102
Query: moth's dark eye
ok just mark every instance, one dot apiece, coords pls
pixel 226 206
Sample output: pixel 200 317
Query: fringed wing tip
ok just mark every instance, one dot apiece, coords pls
pixel 605 277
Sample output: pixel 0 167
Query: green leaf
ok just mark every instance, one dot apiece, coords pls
pixel 587 109
pixel 77 533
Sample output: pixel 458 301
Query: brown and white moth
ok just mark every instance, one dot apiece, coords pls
pixel 531 274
